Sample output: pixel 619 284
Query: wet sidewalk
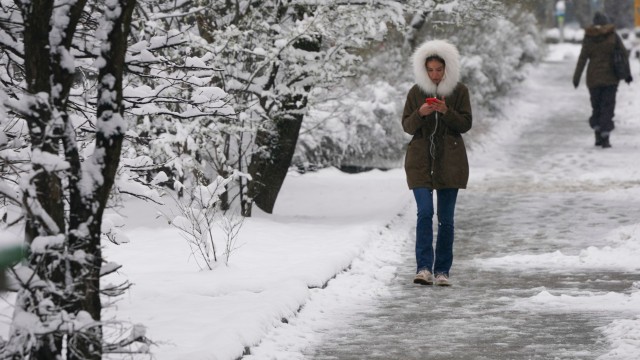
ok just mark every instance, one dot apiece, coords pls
pixel 534 200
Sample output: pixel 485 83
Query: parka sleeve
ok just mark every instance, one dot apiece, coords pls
pixel 582 61
pixel 459 117
pixel 411 120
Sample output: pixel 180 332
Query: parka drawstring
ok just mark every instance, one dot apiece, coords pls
pixel 432 146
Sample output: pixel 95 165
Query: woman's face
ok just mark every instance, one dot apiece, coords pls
pixel 435 70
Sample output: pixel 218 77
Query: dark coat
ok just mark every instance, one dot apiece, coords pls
pixel 445 165
pixel 597 47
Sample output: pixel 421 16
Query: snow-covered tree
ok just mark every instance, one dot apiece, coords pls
pixel 62 78
pixel 272 54
pixel 75 76
pixel 355 125
pixel 180 119
pixel 273 59
pixel 275 53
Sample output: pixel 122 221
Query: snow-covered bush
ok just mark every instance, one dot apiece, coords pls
pixel 358 129
pixel 197 220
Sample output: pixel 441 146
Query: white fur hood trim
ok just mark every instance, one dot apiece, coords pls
pixel 451 58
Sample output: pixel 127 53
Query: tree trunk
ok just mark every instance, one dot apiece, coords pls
pixel 73 286
pixel 269 165
pixel 89 211
pixel 276 146
pixel 37 75
pixel 48 187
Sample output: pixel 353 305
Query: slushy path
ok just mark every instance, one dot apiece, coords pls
pixel 532 197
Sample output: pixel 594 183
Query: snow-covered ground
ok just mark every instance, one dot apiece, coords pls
pixel 329 249
pixel 321 226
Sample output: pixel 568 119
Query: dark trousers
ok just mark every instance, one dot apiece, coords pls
pixel 603 104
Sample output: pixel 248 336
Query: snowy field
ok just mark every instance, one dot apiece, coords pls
pixel 326 251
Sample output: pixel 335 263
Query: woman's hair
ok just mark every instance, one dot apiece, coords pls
pixel 436 58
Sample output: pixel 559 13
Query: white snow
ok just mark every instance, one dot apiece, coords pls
pixel 322 224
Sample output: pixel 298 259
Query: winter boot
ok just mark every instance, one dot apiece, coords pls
pixel 605 142
pixel 442 280
pixel 423 277
pixel 598 138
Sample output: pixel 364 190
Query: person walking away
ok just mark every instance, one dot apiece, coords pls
pixel 436 112
pixel 597 48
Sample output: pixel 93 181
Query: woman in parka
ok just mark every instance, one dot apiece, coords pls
pixel 436 157
pixel 597 47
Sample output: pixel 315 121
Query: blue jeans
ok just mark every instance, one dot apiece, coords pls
pixel 424 230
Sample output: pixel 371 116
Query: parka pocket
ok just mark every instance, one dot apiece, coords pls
pixel 416 158
pixel 455 165
pixel 452 141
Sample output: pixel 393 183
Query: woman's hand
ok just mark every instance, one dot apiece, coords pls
pixel 425 110
pixel 437 105
pixel 440 106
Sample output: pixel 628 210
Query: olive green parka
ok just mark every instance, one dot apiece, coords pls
pixel 436 156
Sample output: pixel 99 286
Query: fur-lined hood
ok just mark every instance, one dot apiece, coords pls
pixel 598 30
pixel 451 57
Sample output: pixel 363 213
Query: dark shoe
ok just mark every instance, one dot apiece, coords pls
pixel 605 142
pixel 598 138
